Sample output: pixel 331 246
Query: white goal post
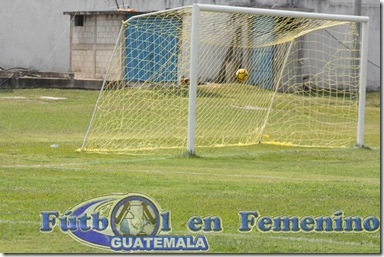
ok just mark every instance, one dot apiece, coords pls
pixel 171 80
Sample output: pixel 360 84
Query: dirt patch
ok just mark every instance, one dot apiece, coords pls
pixel 13 97
pixel 249 107
pixel 52 98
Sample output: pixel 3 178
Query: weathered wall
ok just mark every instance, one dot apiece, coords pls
pixel 92 44
pixel 370 8
pixel 35 33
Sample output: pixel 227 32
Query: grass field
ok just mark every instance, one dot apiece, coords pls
pixel 274 180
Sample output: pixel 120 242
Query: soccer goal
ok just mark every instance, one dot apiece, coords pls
pixel 172 83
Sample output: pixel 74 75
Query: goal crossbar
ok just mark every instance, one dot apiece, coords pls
pixel 280 13
pixel 261 11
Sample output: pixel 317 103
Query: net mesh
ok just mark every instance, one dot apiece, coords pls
pixel 301 90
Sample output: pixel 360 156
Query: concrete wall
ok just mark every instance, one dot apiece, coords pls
pixel 370 8
pixel 92 44
pixel 35 33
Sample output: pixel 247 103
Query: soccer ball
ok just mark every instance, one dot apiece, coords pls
pixel 242 74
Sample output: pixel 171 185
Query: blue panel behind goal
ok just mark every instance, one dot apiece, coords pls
pixel 262 70
pixel 152 49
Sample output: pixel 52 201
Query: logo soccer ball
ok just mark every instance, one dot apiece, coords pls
pixel 242 74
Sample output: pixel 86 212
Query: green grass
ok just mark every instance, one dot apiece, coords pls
pixel 273 180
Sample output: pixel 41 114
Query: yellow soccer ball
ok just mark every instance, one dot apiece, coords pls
pixel 242 74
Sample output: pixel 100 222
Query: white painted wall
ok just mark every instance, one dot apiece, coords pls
pixel 35 34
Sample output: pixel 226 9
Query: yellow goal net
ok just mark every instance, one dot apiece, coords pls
pixel 172 80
